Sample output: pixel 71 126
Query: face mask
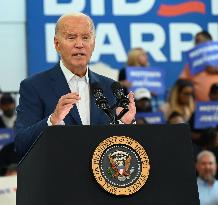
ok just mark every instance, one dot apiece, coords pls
pixel 9 113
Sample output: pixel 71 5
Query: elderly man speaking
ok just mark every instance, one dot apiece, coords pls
pixel 61 95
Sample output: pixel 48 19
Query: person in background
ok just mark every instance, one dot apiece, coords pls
pixel 198 134
pixel 141 121
pixel 143 100
pixel 175 118
pixel 209 141
pixel 207 184
pixel 210 138
pixel 137 57
pixel 213 94
pixel 8 116
pixel 11 170
pixel 7 158
pixel 142 103
pixel 181 100
pixel 202 81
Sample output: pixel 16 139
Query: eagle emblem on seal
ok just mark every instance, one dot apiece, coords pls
pixel 120 168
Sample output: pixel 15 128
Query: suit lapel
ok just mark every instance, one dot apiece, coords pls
pixel 95 112
pixel 61 88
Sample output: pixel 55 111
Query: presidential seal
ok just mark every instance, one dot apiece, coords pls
pixel 120 165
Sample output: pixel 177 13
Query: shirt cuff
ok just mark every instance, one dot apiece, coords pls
pixel 50 124
pixel 121 123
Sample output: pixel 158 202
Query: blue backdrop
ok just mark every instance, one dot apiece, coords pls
pixel 164 28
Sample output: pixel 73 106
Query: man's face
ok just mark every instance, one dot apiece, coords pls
pixel 206 168
pixel 75 42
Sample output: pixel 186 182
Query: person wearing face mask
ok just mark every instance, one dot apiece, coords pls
pixel 8 116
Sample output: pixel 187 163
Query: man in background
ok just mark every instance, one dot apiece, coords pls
pixel 207 184
pixel 143 100
pixel 8 116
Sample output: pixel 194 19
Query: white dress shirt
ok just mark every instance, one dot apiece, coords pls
pixel 81 86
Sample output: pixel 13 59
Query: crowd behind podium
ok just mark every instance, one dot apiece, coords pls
pixel 177 106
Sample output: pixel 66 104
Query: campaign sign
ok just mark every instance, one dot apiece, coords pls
pixel 203 55
pixel 152 78
pixel 206 115
pixel 165 29
pixel 151 117
pixel 6 136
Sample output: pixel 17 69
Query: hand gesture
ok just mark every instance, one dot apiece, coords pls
pixel 129 117
pixel 65 104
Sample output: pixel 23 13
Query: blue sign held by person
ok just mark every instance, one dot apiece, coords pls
pixel 206 115
pixel 203 55
pixel 151 117
pixel 152 78
pixel 161 27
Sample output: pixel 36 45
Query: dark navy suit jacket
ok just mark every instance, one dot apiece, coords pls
pixel 39 96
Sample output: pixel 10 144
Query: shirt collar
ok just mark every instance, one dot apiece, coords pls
pixel 203 182
pixel 69 75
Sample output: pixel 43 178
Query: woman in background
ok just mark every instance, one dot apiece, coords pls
pixel 181 100
pixel 137 57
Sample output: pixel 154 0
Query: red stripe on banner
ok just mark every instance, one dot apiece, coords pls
pixel 183 8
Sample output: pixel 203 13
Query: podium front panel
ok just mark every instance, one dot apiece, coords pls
pixel 57 170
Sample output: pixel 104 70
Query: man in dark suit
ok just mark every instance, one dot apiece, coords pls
pixel 61 95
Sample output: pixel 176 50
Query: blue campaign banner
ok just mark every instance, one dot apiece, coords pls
pixel 206 115
pixel 151 117
pixel 151 78
pixel 164 28
pixel 203 55
pixel 6 136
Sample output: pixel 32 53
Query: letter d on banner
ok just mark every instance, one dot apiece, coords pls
pixel 122 7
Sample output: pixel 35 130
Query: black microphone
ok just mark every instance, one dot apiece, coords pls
pixel 102 102
pixel 122 99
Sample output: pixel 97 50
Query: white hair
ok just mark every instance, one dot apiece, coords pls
pixel 205 153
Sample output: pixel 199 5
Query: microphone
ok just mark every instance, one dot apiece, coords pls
pixel 122 99
pixel 102 102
